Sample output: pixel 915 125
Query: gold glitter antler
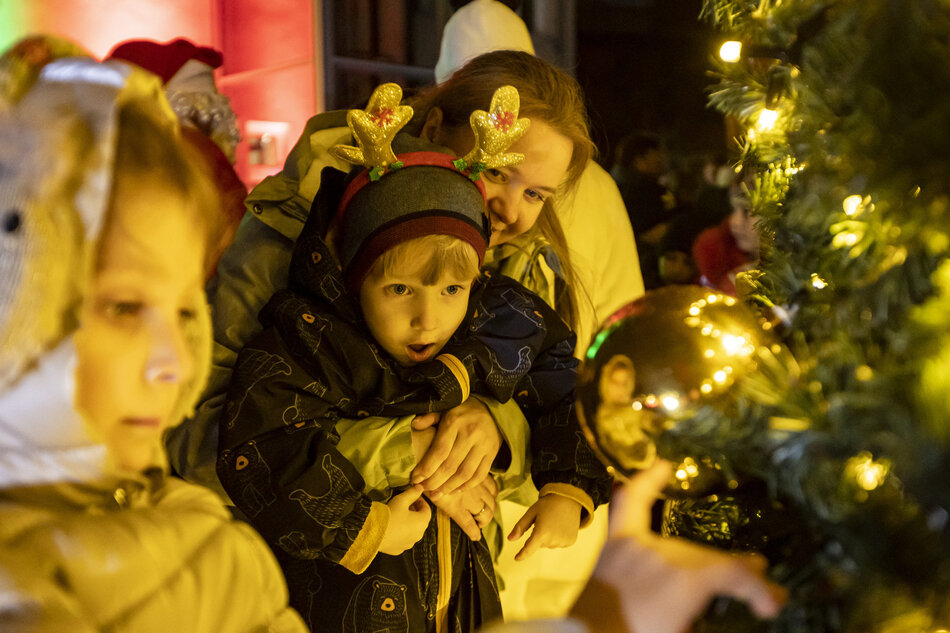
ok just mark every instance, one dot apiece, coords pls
pixel 496 131
pixel 374 129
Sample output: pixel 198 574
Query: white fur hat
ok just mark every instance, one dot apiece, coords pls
pixel 479 27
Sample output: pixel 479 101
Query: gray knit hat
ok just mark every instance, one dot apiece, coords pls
pixel 427 195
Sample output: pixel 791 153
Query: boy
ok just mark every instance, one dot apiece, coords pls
pixel 409 243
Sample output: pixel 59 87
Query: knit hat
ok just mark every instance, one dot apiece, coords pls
pixel 413 194
pixel 479 27
pixel 166 60
pixel 187 71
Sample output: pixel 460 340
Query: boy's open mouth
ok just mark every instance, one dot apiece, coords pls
pixel 419 351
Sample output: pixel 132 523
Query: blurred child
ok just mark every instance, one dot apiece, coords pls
pixel 723 251
pixel 409 234
pixel 207 121
pixel 104 344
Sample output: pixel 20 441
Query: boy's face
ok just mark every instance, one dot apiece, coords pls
pixel 132 354
pixel 409 319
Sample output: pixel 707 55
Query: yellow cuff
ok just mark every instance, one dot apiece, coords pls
pixel 366 544
pixel 458 370
pixel 574 493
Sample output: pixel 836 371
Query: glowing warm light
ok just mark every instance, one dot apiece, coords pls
pixel 863 373
pixel 729 301
pixel 637 406
pixel 707 329
pixel 733 344
pixel 687 470
pixel 852 204
pixel 706 387
pixel 670 402
pixel 817 282
pixel 844 239
pixel 651 401
pixel 712 298
pixel 694 310
pixel 720 376
pixel 709 353
pixel 730 51
pixel 766 120
pixel 866 471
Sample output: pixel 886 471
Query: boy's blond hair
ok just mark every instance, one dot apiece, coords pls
pixel 432 255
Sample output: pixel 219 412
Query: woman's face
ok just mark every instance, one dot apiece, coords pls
pixel 132 356
pixel 516 194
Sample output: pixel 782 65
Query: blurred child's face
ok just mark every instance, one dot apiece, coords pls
pixel 132 356
pixel 412 320
pixel 742 226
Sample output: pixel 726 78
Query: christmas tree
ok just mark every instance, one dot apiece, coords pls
pixel 836 447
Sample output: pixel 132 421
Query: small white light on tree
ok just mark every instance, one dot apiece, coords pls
pixel 730 51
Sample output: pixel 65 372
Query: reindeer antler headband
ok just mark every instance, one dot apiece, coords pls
pixel 421 192
pixel 375 128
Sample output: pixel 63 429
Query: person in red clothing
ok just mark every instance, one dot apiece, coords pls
pixel 208 123
pixel 723 251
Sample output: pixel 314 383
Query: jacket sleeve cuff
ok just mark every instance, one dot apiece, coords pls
pixel 366 544
pixel 457 368
pixel 574 493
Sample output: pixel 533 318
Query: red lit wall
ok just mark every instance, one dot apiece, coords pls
pixel 99 24
pixel 270 75
pixel 270 71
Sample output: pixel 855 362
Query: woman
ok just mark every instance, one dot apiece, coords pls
pixel 527 243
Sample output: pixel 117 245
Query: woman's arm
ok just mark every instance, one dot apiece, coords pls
pixel 386 450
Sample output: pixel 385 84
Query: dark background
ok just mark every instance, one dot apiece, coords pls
pixel 643 65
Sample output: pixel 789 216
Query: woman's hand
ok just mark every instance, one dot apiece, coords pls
pixel 646 582
pixel 466 442
pixel 470 508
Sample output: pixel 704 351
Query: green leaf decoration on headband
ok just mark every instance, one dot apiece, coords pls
pixel 496 131
pixel 375 128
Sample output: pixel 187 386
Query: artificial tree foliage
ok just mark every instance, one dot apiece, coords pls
pixel 840 447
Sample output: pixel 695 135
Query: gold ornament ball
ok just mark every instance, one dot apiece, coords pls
pixel 655 361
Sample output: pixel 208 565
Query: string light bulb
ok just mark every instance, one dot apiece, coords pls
pixel 851 204
pixel 766 120
pixel 867 472
pixel 730 51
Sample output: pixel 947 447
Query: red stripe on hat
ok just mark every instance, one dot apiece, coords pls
pixel 387 238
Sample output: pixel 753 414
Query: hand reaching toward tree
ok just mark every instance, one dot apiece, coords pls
pixel 647 583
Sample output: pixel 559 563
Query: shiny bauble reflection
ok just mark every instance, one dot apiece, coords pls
pixel 655 361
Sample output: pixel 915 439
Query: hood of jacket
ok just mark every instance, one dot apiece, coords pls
pixel 58 131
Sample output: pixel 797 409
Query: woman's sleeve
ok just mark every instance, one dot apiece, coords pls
pixel 242 287
pixel 252 269
pixel 380 448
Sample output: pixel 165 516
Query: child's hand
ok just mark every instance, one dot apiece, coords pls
pixel 471 508
pixel 556 520
pixel 408 517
